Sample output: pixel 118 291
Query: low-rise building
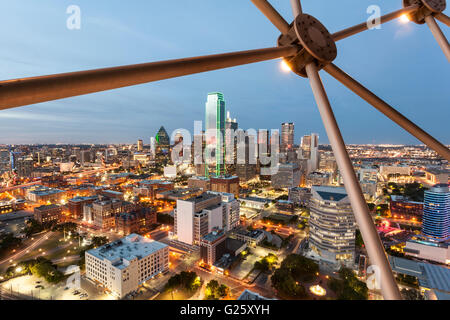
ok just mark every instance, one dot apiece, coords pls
pixel 427 250
pixel 138 221
pixel 300 196
pixel 123 265
pixel 403 208
pixel 252 238
pixel 47 213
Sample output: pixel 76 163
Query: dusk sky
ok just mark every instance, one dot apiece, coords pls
pixel 402 63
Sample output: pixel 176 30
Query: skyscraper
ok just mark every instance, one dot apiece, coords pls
pixel 310 151
pixel 140 145
pixel 332 225
pixel 287 136
pixel 162 141
pixel 215 128
pixel 436 213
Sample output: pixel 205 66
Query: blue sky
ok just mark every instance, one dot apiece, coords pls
pixel 402 63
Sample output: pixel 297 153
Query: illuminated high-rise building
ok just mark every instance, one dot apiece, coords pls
pixel 140 145
pixel 436 213
pixel 215 129
pixel 287 136
pixel 332 225
pixel 310 151
pixel 162 141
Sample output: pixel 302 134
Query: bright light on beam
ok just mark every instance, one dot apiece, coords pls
pixel 404 18
pixel 284 66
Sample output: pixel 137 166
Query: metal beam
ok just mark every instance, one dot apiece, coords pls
pixel 363 218
pixel 443 18
pixel 296 7
pixel 21 92
pixel 364 26
pixel 387 110
pixel 438 35
pixel 277 20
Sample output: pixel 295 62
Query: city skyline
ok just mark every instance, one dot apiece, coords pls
pixel 262 98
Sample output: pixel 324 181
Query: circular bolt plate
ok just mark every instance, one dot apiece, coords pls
pixel 435 5
pixel 315 38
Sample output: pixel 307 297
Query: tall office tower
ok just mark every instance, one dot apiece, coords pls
pixel 215 129
pixel 287 136
pixel 140 145
pixel 246 156
pixel 263 163
pixel 231 126
pixel 231 123
pixel 332 226
pixel 153 145
pixel 310 150
pixel 162 141
pixel 436 213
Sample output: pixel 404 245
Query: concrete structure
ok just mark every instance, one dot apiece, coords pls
pixel 250 295
pixel 123 265
pixel 332 226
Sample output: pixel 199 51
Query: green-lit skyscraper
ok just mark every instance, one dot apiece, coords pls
pixel 215 128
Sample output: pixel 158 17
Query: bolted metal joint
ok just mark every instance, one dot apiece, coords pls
pixel 314 40
pixel 427 8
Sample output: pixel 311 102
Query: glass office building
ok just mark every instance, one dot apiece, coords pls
pixel 215 129
pixel 436 213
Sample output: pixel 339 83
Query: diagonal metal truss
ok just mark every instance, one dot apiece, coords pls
pixel 307 47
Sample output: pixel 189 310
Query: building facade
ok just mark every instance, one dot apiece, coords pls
pixel 436 213
pixel 332 225
pixel 123 265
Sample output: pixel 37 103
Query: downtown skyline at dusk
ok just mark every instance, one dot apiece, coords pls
pixel 221 157
pixel 260 96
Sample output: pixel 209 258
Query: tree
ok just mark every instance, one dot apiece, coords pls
pixel 348 287
pixel 411 294
pixel 215 291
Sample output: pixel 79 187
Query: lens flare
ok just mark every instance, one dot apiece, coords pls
pixel 284 66
pixel 404 18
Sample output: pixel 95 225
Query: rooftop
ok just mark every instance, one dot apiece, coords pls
pixel 330 193
pixel 126 249
pixel 203 197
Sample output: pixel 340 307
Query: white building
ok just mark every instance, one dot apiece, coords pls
pixel 123 265
pixel 432 251
pixel 332 226
pixel 196 217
